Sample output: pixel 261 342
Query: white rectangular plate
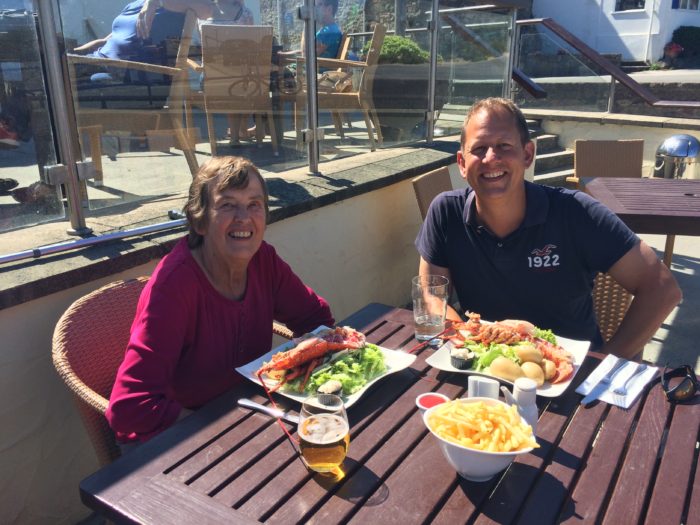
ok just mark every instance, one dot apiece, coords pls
pixel 578 349
pixel 394 360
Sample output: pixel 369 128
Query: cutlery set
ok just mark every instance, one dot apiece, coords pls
pixel 620 392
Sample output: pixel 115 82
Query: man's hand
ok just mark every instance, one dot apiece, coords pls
pixel 144 21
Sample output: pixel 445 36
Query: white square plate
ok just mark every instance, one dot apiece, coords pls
pixel 578 349
pixel 394 360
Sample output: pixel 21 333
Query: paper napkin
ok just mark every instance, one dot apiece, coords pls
pixel 633 389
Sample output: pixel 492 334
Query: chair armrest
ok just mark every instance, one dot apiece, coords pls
pixel 195 66
pixel 124 64
pixel 77 386
pixel 337 63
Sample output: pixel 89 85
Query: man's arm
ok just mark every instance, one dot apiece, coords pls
pixel 92 45
pixel 656 293
pixel 425 268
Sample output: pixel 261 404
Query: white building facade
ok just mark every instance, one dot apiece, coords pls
pixel 636 29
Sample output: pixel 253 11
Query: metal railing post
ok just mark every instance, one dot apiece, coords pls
pixel 611 95
pixel 308 14
pixel 434 28
pixel 508 85
pixel 65 125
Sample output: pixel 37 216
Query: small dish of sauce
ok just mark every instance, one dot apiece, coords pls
pixel 429 400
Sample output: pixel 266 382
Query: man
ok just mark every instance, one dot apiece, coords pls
pixel 329 36
pixel 513 249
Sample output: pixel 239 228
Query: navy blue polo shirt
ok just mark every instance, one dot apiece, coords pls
pixel 542 272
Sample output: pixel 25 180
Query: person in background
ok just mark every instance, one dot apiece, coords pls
pixel 209 305
pixel 518 250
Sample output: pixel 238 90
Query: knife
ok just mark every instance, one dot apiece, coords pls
pixel 274 412
pixel 604 383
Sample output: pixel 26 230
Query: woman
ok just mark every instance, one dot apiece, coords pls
pixel 209 305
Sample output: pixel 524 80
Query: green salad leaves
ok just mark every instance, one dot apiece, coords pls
pixel 353 370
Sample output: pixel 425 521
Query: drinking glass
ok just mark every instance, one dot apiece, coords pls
pixel 430 294
pixel 324 433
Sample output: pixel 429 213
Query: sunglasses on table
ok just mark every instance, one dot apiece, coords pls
pixel 683 390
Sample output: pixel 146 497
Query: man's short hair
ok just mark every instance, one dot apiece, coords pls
pixel 493 105
pixel 333 4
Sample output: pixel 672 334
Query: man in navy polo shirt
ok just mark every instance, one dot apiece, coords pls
pixel 517 250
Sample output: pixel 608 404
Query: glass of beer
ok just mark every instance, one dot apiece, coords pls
pixel 324 433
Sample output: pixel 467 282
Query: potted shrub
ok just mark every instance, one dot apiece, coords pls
pixel 400 88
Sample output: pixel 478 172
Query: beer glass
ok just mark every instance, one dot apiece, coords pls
pixel 324 433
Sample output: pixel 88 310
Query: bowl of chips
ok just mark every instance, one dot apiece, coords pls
pixel 479 436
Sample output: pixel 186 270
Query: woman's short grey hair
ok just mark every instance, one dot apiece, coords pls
pixel 220 173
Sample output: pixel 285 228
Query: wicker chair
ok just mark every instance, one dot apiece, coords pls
pixel 88 347
pixel 610 299
pixel 429 185
pixel 610 304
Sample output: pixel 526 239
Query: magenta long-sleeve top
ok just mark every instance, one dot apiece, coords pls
pixel 187 339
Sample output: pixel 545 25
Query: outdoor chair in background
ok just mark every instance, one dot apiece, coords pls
pixel 351 99
pixel 607 158
pixel 149 103
pixel 236 63
pixel 429 185
pixel 88 346
pixel 610 299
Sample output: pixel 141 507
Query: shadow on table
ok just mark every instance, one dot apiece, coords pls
pixel 355 488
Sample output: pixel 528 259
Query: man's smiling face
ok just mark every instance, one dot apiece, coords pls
pixel 493 160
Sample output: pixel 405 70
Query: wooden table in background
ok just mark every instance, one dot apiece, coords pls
pixel 224 464
pixel 662 206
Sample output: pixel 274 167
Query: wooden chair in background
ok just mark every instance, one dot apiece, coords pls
pixel 131 106
pixel 236 62
pixel 610 299
pixel 359 99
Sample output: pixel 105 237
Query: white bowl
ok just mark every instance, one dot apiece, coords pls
pixel 472 464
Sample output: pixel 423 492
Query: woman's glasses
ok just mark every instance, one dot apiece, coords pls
pixel 683 390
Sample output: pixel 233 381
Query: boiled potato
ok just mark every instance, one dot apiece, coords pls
pixel 528 353
pixel 505 369
pixel 549 368
pixel 534 372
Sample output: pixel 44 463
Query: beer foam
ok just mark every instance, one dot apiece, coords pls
pixel 323 429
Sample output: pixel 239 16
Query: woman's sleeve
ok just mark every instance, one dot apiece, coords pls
pixel 295 304
pixel 141 404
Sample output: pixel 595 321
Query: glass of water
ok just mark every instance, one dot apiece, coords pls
pixel 430 294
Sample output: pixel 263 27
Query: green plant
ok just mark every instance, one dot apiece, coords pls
pixel 689 38
pixel 400 50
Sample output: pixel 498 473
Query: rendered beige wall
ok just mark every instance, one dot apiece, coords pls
pixel 354 252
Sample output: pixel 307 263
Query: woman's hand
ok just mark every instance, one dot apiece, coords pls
pixel 145 18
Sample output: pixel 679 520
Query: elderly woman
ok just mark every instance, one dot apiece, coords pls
pixel 209 305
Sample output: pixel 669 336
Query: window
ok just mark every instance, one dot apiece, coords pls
pixel 686 4
pixel 627 5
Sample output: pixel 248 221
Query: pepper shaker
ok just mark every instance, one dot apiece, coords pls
pixel 525 393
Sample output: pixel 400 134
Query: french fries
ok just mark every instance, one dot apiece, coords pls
pixel 491 428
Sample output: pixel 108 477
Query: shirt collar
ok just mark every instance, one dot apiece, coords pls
pixel 536 211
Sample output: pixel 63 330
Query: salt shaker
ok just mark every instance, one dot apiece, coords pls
pixel 525 392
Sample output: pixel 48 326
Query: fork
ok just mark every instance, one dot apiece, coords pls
pixel 622 390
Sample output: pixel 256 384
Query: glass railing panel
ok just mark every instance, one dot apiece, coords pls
pixel 571 81
pixel 206 85
pixel 26 139
pixel 473 55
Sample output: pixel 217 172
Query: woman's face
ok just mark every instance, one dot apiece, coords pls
pixel 236 222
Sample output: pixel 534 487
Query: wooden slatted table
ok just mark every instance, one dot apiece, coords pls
pixel 661 206
pixel 225 464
